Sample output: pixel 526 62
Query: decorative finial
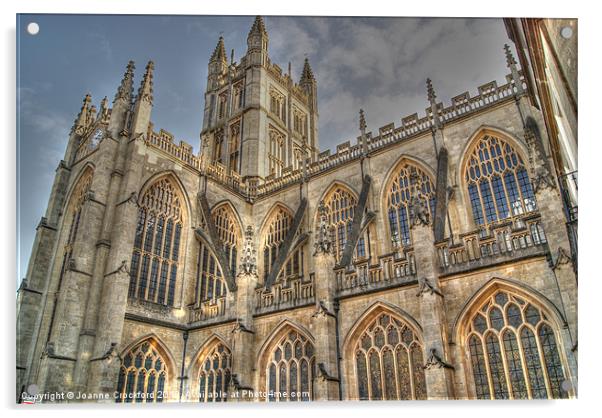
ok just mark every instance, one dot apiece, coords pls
pixel 430 91
pixel 510 61
pixel 219 53
pixel 258 26
pixel 104 110
pixel 362 122
pixel 81 122
pixel 307 74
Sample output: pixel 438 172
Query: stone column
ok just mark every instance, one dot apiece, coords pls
pixel 323 321
pixel 438 372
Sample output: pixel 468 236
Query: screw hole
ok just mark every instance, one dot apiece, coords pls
pixel 566 32
pixel 33 28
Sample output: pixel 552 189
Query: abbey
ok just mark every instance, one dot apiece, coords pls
pixel 427 260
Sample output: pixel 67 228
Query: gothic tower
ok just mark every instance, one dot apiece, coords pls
pixel 258 122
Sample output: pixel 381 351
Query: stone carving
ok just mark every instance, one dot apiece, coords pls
pixel 239 327
pixel 321 310
pixel 123 268
pixel 435 361
pixel 248 263
pixel 425 286
pixel 540 173
pixel 323 244
pixel 419 211
pixel 562 257
pixel 323 373
pixel 48 350
pixel 71 265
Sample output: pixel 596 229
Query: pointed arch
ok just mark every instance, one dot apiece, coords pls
pixel 178 185
pixel 340 201
pixel 146 372
pixel 385 353
pixel 396 194
pixel 211 370
pixel 274 208
pixel 82 181
pixel 510 338
pixel 273 234
pixel 159 237
pixel 287 362
pixel 494 174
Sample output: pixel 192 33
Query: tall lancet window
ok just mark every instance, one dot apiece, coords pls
pixel 513 350
pixel 406 180
pixel 142 375
pixel 155 260
pixel 277 155
pixel 234 146
pixel 210 278
pixel 497 181
pixel 291 369
pixel 73 216
pixel 277 228
pixel 389 361
pixel 340 207
pixel 215 374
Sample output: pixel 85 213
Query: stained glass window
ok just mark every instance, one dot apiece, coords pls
pixel 215 374
pixel 157 244
pixel 389 361
pixel 399 197
pixel 291 369
pixel 497 180
pixel 142 375
pixel 513 354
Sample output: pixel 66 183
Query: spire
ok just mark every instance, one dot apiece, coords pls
pixel 126 87
pixel 145 92
pixel 81 123
pixel 511 63
pixel 258 27
pixel 307 74
pixel 219 53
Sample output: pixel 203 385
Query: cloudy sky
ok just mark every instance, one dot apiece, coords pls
pixel 378 64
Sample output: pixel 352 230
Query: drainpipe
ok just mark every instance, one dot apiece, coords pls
pixel 182 377
pixel 336 323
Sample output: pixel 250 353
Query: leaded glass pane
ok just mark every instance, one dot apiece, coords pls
pixel 513 315
pixel 515 367
pixel 534 369
pixel 479 323
pixel 496 319
pixel 552 360
pixel 532 315
pixel 403 373
pixel 375 376
pixel 496 367
pixel 418 372
pixel 389 375
pixel 479 369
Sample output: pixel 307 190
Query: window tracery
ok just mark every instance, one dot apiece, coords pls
pixel 215 375
pixel 513 350
pixel 389 361
pixel 210 279
pixel 280 222
pixel 498 183
pixel 408 179
pixel 155 263
pixel 291 369
pixel 277 152
pixel 142 375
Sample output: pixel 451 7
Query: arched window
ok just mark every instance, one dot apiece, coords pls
pixel 73 215
pixel 291 369
pixel 142 375
pixel 389 361
pixel 210 279
pixel 406 180
pixel 234 146
pixel 340 207
pixel 513 351
pixel 154 266
pixel 218 146
pixel 497 181
pixel 278 225
pixel 215 374
pixel 277 155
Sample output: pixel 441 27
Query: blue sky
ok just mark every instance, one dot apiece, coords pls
pixel 378 64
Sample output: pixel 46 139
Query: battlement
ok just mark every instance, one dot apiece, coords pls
pixel 489 95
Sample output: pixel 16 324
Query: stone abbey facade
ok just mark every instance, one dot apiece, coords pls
pixel 428 260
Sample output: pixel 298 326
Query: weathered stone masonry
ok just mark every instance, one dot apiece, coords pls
pixel 261 264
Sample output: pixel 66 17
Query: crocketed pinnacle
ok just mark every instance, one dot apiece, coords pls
pixel 258 27
pixel 126 88
pixel 307 74
pixel 510 61
pixel 430 91
pixel 219 53
pixel 145 92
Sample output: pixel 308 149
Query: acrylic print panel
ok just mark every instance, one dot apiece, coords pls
pixel 291 209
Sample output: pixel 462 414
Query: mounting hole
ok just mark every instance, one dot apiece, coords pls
pixel 33 28
pixel 566 32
